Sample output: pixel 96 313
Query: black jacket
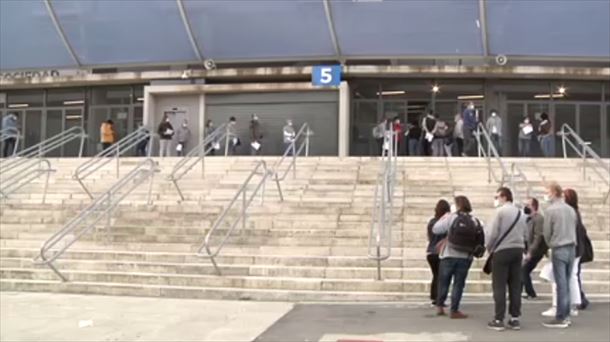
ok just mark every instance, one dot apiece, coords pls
pixel 163 127
pixel 433 239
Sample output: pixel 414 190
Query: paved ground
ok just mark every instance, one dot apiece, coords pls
pixel 403 322
pixel 62 317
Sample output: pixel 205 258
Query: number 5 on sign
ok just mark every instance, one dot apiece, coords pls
pixel 326 75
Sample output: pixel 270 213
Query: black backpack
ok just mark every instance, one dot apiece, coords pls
pixel 467 235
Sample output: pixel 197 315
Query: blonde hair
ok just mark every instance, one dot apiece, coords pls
pixel 555 189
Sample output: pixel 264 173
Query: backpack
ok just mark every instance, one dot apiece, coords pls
pixel 442 129
pixel 467 235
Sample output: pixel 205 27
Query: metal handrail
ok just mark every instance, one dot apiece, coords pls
pixel 11 132
pixel 26 175
pixel 382 220
pixel 113 152
pixel 518 176
pixel 101 207
pixel 246 201
pixel 303 131
pixel 583 149
pixel 197 155
pixel 491 152
pixel 41 149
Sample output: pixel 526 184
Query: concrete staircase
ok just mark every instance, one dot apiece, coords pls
pixel 311 247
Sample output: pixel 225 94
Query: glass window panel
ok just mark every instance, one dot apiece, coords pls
pixel 519 90
pixel 111 95
pixel 419 27
pixel 549 28
pixel 590 126
pixel 33 127
pixel 66 97
pixel 54 126
pixel 365 116
pixel 577 91
pixel 74 118
pixel 127 31
pixel 515 115
pixel 28 38
pixel 33 98
pixel 260 29
pixel 565 114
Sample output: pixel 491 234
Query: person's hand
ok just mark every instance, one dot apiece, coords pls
pixel 527 257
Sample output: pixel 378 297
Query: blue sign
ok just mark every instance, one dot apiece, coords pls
pixel 326 75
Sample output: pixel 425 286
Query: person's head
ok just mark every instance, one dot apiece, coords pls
pixel 544 116
pixel 430 113
pixel 571 198
pixel 232 120
pixel 494 112
pixel 396 119
pixel 526 119
pixel 185 123
pixel 533 205
pixel 110 122
pixel 209 123
pixel 254 117
pixel 503 195
pixel 289 122
pixel 554 191
pixel 462 204
pixel 442 207
pixel 471 105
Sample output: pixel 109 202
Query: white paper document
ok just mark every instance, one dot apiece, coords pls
pixel 429 137
pixel 255 145
pixel 169 132
pixel 179 147
pixel 494 130
pixel 235 141
pixel 216 146
pixel 527 129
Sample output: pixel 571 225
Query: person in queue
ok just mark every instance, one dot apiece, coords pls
pixel 535 245
pixel 442 208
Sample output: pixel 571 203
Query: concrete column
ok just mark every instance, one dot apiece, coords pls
pixel 344 119
pixel 201 117
pixel 149 108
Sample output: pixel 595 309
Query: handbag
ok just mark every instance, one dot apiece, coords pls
pixel 487 269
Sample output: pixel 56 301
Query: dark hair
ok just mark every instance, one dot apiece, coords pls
pixel 208 122
pixel 430 112
pixel 232 118
pixel 442 207
pixel 571 198
pixel 110 122
pixel 544 116
pixel 463 204
pixel 506 193
pixel 535 203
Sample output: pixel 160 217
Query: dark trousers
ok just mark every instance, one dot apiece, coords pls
pixel 459 146
pixel 584 302
pixel 9 147
pixel 526 275
pixel 426 147
pixel 506 266
pixel 456 268
pixel 141 149
pixel 470 142
pixel 379 143
pixel 434 262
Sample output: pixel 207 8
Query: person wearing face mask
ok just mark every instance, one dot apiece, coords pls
pixel 546 136
pixel 535 244
pixel 455 261
pixel 506 243
pixel 166 132
pixel 211 147
pixel 471 120
pixel 428 125
pixel 494 128
pixel 560 235
pixel 183 136
pixel 234 141
pixel 442 208
pixel 526 130
pixel 289 136
pixel 458 135
pixel 255 136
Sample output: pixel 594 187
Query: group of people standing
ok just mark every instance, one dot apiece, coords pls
pixel 432 136
pixel 516 241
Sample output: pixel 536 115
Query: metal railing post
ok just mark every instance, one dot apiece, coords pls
pixel 307 143
pixel 563 142
pixel 244 217
pixel 227 142
pixel 584 161
pixel 116 156
pixel 294 160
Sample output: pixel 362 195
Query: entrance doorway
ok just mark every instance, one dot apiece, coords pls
pixel 121 116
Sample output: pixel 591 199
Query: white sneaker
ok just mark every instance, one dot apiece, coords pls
pixel 574 312
pixel 550 312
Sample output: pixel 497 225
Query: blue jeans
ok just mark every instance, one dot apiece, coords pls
pixel 563 261
pixel 547 144
pixel 456 268
pixel 497 141
pixel 413 147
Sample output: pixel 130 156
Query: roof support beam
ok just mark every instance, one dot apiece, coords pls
pixel 189 31
pixel 333 32
pixel 483 23
pixel 61 32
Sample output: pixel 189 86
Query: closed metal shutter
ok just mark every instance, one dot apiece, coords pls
pixel 319 109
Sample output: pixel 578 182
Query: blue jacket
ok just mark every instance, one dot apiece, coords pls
pixel 9 121
pixel 470 118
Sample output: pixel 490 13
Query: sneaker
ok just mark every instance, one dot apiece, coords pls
pixel 583 306
pixel 550 312
pixel 496 325
pixel 574 312
pixel 514 324
pixel 458 315
pixel 528 297
pixel 557 324
pixel 440 311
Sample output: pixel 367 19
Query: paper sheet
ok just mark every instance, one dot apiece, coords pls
pixel 179 147
pixel 216 146
pixel 429 137
pixel 527 129
pixel 255 145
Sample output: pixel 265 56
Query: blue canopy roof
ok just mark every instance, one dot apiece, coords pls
pixel 51 34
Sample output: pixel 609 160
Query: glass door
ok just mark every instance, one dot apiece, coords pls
pixel 55 125
pixel 589 128
pixel 32 127
pixel 364 118
pixel 515 115
pixel 121 116
pixel 73 117
pixel 565 114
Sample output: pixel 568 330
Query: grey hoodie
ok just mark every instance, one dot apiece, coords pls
pixel 504 218
pixel 183 134
pixel 442 226
pixel 559 224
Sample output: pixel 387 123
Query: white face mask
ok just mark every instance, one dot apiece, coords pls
pixel 547 198
pixel 496 203
pixel 493 114
pixel 527 121
pixel 453 208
